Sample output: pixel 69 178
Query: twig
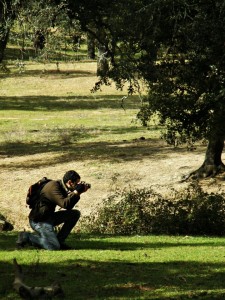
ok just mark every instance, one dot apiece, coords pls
pixel 122 102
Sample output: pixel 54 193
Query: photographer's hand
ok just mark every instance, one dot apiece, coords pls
pixel 81 187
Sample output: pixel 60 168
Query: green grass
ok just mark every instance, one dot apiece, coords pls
pixel 50 111
pixel 44 124
pixel 104 267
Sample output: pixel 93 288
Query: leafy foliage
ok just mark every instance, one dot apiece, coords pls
pixel 143 211
pixel 44 26
pixel 187 90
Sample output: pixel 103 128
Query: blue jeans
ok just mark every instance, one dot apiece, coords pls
pixel 47 237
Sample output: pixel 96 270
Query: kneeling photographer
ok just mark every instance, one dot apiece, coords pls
pixel 43 218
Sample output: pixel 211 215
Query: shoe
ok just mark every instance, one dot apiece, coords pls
pixel 65 247
pixel 23 239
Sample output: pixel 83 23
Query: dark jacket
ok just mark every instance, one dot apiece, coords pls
pixel 53 193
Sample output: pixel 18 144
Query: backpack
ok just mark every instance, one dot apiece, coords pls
pixel 34 191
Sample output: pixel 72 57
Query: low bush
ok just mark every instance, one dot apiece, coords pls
pixel 144 211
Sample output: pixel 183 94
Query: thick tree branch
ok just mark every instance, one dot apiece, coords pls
pixel 27 292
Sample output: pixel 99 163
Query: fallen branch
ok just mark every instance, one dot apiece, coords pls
pixel 27 292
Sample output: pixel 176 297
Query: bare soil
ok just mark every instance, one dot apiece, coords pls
pixel 161 168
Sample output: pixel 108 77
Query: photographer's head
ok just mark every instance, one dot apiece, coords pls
pixel 71 179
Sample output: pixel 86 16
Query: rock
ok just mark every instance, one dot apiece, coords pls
pixel 5 225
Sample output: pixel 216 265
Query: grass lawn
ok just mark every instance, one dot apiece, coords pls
pixel 137 267
pixel 50 111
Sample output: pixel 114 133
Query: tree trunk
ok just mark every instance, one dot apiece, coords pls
pixel 7 16
pixel 90 47
pixel 102 62
pixel 3 43
pixel 212 164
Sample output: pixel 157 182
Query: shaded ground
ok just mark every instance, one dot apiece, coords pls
pixel 129 164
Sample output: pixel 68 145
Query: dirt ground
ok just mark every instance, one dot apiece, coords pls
pixel 161 169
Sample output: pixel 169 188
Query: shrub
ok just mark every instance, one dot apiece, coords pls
pixel 143 211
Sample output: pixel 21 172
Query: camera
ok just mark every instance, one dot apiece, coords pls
pixel 88 185
pixel 82 186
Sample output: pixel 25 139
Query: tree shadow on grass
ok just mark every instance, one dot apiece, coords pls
pixel 68 103
pixel 86 274
pixel 13 53
pixel 85 241
pixel 90 279
pixel 52 73
pixel 134 150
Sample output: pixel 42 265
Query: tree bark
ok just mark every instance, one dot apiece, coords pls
pixel 102 62
pixel 212 164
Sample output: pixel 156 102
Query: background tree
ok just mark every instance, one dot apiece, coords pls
pixel 90 46
pixel 41 23
pixel 8 11
pixel 104 22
